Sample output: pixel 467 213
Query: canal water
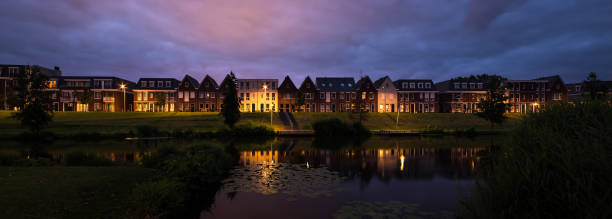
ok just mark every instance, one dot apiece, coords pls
pixel 382 177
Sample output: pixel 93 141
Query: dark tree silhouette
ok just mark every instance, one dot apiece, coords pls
pixel 33 101
pixel 160 100
pixel 593 87
pixel 492 107
pixel 231 103
pixel 299 100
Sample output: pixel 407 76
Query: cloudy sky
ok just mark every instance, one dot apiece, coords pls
pixel 437 39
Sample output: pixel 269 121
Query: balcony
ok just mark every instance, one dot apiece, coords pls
pixel 108 99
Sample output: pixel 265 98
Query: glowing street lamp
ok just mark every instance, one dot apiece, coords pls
pixel 122 86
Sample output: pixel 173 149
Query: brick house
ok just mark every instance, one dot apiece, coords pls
pixel 258 95
pixel 8 74
pixel 417 96
pixel 335 94
pixel 147 90
pixel 367 95
pixel 555 89
pixel 187 101
pixel 310 91
pixel 208 95
pixel 460 95
pixel 525 95
pixel 287 96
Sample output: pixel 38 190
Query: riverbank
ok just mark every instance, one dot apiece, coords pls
pixel 109 124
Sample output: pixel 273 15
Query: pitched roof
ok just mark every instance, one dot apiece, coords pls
pixel 448 85
pixel 214 83
pixel 307 80
pixel 335 84
pixel 191 80
pixel 399 85
pixel 379 82
pixel 362 81
pixel 287 84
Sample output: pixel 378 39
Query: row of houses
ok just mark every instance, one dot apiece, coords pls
pixel 323 94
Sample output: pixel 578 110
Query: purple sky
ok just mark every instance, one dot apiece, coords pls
pixel 436 39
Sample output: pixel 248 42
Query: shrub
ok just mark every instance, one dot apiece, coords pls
pixel 78 158
pixel 557 165
pixel 158 199
pixel 248 130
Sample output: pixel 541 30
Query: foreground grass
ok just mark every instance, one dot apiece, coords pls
pixel 68 192
pixel 66 123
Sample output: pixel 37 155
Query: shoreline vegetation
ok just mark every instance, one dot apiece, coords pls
pixel 98 125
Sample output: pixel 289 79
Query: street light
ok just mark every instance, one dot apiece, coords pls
pixel 265 87
pixel 122 86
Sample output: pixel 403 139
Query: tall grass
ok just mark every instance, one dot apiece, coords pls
pixel 557 165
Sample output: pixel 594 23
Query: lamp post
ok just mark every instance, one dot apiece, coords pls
pixel 265 87
pixel 122 86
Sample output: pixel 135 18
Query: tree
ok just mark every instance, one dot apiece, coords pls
pixel 160 100
pixel 593 87
pixel 231 103
pixel 492 107
pixel 33 101
pixel 85 98
pixel 299 99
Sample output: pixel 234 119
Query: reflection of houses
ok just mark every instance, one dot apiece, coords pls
pixel 460 95
pixel 384 163
pixel 149 90
pixel 417 96
pixel 258 95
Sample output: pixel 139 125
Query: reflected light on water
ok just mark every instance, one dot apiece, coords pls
pixel 402 163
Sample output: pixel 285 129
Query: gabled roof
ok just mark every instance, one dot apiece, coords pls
pixel 212 81
pixel 362 81
pixel 336 84
pixel 448 85
pixel 399 85
pixel 307 80
pixel 287 84
pixel 173 84
pixel 191 80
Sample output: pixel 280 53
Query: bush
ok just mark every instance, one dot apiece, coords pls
pixel 557 165
pixel 335 127
pixel 250 130
pixel 158 199
pixel 78 158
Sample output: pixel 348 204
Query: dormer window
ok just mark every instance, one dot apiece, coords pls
pixel 151 83
pixel 323 85
pixel 427 85
pixel 464 85
pixel 330 84
pixel 472 85
pixel 350 85
pixel 341 84
pixel 479 85
pixel 456 85
pixel 411 85
pixel 143 84
pixel 420 85
pixel 160 84
pixel 404 85
pixel 167 83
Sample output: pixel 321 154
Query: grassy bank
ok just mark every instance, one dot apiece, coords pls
pixel 68 192
pixel 70 123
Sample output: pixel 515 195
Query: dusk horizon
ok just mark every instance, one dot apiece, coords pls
pixel 271 39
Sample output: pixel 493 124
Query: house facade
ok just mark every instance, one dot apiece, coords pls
pixel 555 89
pixel 186 94
pixel 310 92
pixel 417 96
pixel 149 93
pixel 287 96
pixel 8 75
pixel 367 95
pixel 525 96
pixel 460 95
pixel 387 95
pixel 258 95
pixel 335 94
pixel 207 95
pixel 105 94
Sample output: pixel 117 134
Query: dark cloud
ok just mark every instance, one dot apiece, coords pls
pixel 272 38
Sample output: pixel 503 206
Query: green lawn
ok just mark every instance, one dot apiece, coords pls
pixel 107 123
pixel 68 192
